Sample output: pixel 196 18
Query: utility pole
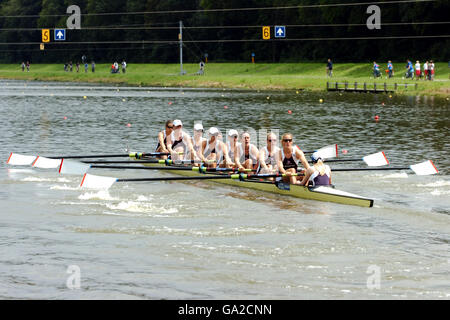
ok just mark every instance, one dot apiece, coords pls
pixel 180 37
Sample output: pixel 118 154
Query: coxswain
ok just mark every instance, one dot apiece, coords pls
pixel 319 174
pixel 162 139
pixel 288 158
pixel 246 154
pixel 179 143
pixel 268 155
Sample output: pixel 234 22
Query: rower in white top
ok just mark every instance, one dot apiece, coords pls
pixel 214 149
pixel 246 154
pixel 198 140
pixel 179 143
pixel 162 139
pixel 232 142
pixel 268 162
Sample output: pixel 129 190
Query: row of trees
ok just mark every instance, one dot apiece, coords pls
pixel 21 22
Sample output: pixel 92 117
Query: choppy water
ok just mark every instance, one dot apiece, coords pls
pixel 205 241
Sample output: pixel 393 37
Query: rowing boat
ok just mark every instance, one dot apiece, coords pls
pixel 320 193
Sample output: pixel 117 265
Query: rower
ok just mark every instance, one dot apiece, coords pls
pixel 246 154
pixel 268 155
pixel 232 142
pixel 318 174
pixel 213 149
pixel 162 139
pixel 179 143
pixel 289 156
pixel 198 140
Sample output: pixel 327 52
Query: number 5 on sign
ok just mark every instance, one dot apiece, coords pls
pixel 45 35
pixel 266 33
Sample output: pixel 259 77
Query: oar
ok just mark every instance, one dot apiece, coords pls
pixel 136 155
pixel 374 160
pixel 16 159
pixel 421 169
pixel 173 168
pixel 77 167
pixel 98 182
pixel 330 151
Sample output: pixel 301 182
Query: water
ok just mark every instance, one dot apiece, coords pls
pixel 197 240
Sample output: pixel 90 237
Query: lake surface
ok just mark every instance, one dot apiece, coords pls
pixel 197 240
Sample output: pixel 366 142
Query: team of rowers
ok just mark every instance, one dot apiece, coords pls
pixel 240 155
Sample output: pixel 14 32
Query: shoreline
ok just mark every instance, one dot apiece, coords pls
pixel 241 76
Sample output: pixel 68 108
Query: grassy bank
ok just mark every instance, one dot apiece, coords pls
pixel 279 76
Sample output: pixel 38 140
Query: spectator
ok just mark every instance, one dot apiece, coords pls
pixel 425 70
pixel 70 66
pixel 409 69
pixel 329 68
pixel 93 66
pixel 23 66
pixel 78 67
pixel 201 69
pixel 376 70
pixel 65 67
pixel 417 68
pixel 431 68
pixel 390 69
pixel 86 67
pixel 28 66
pixel 124 66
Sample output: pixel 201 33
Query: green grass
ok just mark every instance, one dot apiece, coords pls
pixel 264 76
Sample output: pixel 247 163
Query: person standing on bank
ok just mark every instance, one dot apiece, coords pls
pixel 124 66
pixel 390 69
pixel 329 68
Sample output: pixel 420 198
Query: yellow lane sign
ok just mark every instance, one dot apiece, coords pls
pixel 45 35
pixel 266 33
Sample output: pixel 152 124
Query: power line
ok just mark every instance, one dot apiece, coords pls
pixel 228 9
pixel 144 27
pixel 231 40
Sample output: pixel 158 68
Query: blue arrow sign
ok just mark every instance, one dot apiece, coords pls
pixel 280 32
pixel 60 34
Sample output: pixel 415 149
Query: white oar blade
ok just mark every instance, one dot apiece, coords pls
pixel 376 160
pixel 424 168
pixel 20 160
pixel 328 151
pixel 73 167
pixel 96 182
pixel 46 163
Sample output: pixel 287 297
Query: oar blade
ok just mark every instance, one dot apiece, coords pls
pixel 46 163
pixel 96 182
pixel 73 167
pixel 424 168
pixel 20 160
pixel 330 151
pixel 376 160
